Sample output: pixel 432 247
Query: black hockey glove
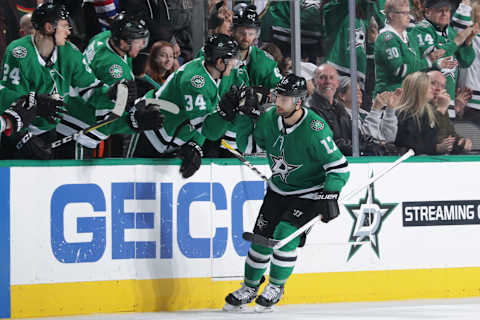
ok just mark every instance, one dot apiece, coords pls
pixel 328 205
pixel 191 155
pixel 49 108
pixel 228 106
pixel 22 112
pixel 145 117
pixel 132 92
pixel 248 103
pixel 32 147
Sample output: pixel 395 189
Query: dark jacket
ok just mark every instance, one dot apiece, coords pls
pixel 339 121
pixel 421 137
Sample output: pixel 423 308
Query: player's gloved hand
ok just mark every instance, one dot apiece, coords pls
pixel 145 117
pixel 328 205
pixel 263 96
pixel 132 92
pixel 248 103
pixel 191 155
pixel 49 107
pixel 228 106
pixel 21 112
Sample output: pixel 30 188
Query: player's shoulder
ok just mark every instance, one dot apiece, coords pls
pixel 193 75
pixel 423 26
pixel 316 125
pixel 20 49
pixel 261 55
pixel 388 37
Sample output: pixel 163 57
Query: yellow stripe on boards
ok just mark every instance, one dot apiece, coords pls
pixel 203 293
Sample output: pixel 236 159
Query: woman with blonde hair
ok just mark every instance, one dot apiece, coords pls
pixel 417 123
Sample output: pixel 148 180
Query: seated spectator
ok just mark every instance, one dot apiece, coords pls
pixel 323 102
pixel 396 51
pixel 307 71
pixel 26 26
pixel 417 122
pixel 435 31
pixel 160 62
pixel 468 77
pixel 440 102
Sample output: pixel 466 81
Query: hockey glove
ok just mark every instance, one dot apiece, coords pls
pixel 248 103
pixel 145 117
pixel 49 108
pixel 227 107
pixel 132 92
pixel 21 112
pixel 328 205
pixel 191 155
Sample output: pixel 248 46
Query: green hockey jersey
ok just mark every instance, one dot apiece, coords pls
pixel 430 38
pixel 197 94
pixel 109 68
pixel 66 74
pixel 396 56
pixel 303 158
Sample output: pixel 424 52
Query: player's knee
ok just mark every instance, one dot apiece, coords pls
pixel 283 230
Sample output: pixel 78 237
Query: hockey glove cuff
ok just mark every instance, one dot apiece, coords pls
pixel 328 205
pixel 191 155
pixel 132 92
pixel 143 117
pixel 21 112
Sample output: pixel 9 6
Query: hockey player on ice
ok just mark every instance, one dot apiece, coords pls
pixel 307 167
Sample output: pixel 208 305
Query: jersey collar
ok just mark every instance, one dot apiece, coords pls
pixel 289 130
pixel 42 62
pixel 124 58
pixel 217 83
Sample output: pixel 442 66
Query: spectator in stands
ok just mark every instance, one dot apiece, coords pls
pixel 469 77
pixel 26 26
pixel 323 102
pixel 435 32
pixel 106 11
pixel 440 101
pixel 160 62
pixel 417 122
pixel 396 51
pixel 220 20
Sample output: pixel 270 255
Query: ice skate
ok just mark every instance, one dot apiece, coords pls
pixel 270 296
pixel 237 301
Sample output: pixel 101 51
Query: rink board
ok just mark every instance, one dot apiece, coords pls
pixel 123 236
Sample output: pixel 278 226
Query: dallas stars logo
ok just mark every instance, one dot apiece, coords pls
pixel 281 167
pixel 368 215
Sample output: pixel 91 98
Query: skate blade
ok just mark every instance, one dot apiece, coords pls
pixel 229 308
pixel 262 309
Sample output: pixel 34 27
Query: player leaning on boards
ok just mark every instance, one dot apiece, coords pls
pixel 46 63
pixel 109 55
pixel 196 88
pixel 308 173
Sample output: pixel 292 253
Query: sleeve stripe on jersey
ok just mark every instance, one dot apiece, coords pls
pixel 458 25
pixel 401 71
pixel 341 163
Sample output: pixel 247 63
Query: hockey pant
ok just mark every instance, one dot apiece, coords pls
pixel 279 217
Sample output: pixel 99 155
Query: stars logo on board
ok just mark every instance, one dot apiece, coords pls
pixel 368 216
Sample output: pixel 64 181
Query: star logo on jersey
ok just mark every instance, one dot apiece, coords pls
pixel 198 81
pixel 368 216
pixel 281 167
pixel 116 71
pixel 19 52
pixel 317 125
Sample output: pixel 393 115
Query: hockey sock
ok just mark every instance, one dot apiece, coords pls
pixel 283 259
pixel 256 264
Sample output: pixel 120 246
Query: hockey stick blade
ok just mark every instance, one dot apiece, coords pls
pixel 164 105
pixel 260 240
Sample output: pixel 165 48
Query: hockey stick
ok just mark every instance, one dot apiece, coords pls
pixel 117 112
pixel 240 157
pixel 276 244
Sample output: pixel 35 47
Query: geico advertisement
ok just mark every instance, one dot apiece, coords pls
pixel 146 222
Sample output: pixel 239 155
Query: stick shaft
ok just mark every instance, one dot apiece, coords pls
pixel 240 157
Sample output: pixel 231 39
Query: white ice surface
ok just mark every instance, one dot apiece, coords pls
pixel 441 309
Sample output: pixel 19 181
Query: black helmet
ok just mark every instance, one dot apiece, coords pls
pixel 126 27
pixel 48 12
pixel 292 86
pixel 245 16
pixel 220 46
